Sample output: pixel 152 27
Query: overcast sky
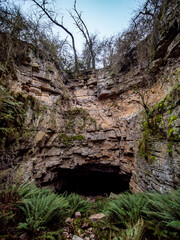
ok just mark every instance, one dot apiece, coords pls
pixel 105 17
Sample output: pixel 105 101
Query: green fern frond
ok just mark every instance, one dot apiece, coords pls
pixel 43 207
pixel 126 209
pixel 78 204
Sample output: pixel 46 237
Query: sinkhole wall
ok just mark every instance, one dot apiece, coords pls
pixel 96 119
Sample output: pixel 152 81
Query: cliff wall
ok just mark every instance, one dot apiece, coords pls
pixel 96 123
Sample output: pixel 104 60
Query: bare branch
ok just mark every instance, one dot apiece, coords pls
pixel 84 30
pixel 43 8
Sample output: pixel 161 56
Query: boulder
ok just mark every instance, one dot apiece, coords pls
pixel 77 215
pixel 75 237
pixel 97 217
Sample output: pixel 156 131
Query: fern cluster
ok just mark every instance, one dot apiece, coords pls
pixel 41 214
pixel 41 209
pixel 78 204
pixel 145 215
pixel 163 214
pixel 126 209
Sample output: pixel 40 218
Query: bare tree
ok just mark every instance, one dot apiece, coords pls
pixel 148 13
pixel 86 54
pixel 85 32
pixel 135 45
pixel 42 5
pixel 106 51
pixel 143 101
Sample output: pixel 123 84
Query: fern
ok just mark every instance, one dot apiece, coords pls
pixel 135 231
pixel 41 209
pixel 9 199
pixel 106 231
pixel 126 209
pixel 9 194
pixel 78 204
pixel 174 225
pixel 52 235
pixel 163 214
pixel 26 190
pixel 100 206
pixel 39 212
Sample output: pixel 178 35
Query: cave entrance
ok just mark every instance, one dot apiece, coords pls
pixel 92 180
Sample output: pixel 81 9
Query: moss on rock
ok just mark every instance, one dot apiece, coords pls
pixel 156 126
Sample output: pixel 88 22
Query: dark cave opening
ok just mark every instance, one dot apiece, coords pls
pixel 92 180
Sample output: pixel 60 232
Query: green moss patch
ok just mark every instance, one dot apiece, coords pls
pixel 69 139
pixel 13 109
pixel 12 115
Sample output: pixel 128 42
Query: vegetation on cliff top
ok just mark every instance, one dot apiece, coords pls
pixel 136 45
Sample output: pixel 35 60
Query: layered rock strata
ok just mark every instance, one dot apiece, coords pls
pixel 94 121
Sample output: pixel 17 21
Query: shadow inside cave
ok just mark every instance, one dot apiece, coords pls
pixel 92 180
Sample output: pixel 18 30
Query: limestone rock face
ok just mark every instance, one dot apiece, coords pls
pixel 94 120
pixel 159 169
